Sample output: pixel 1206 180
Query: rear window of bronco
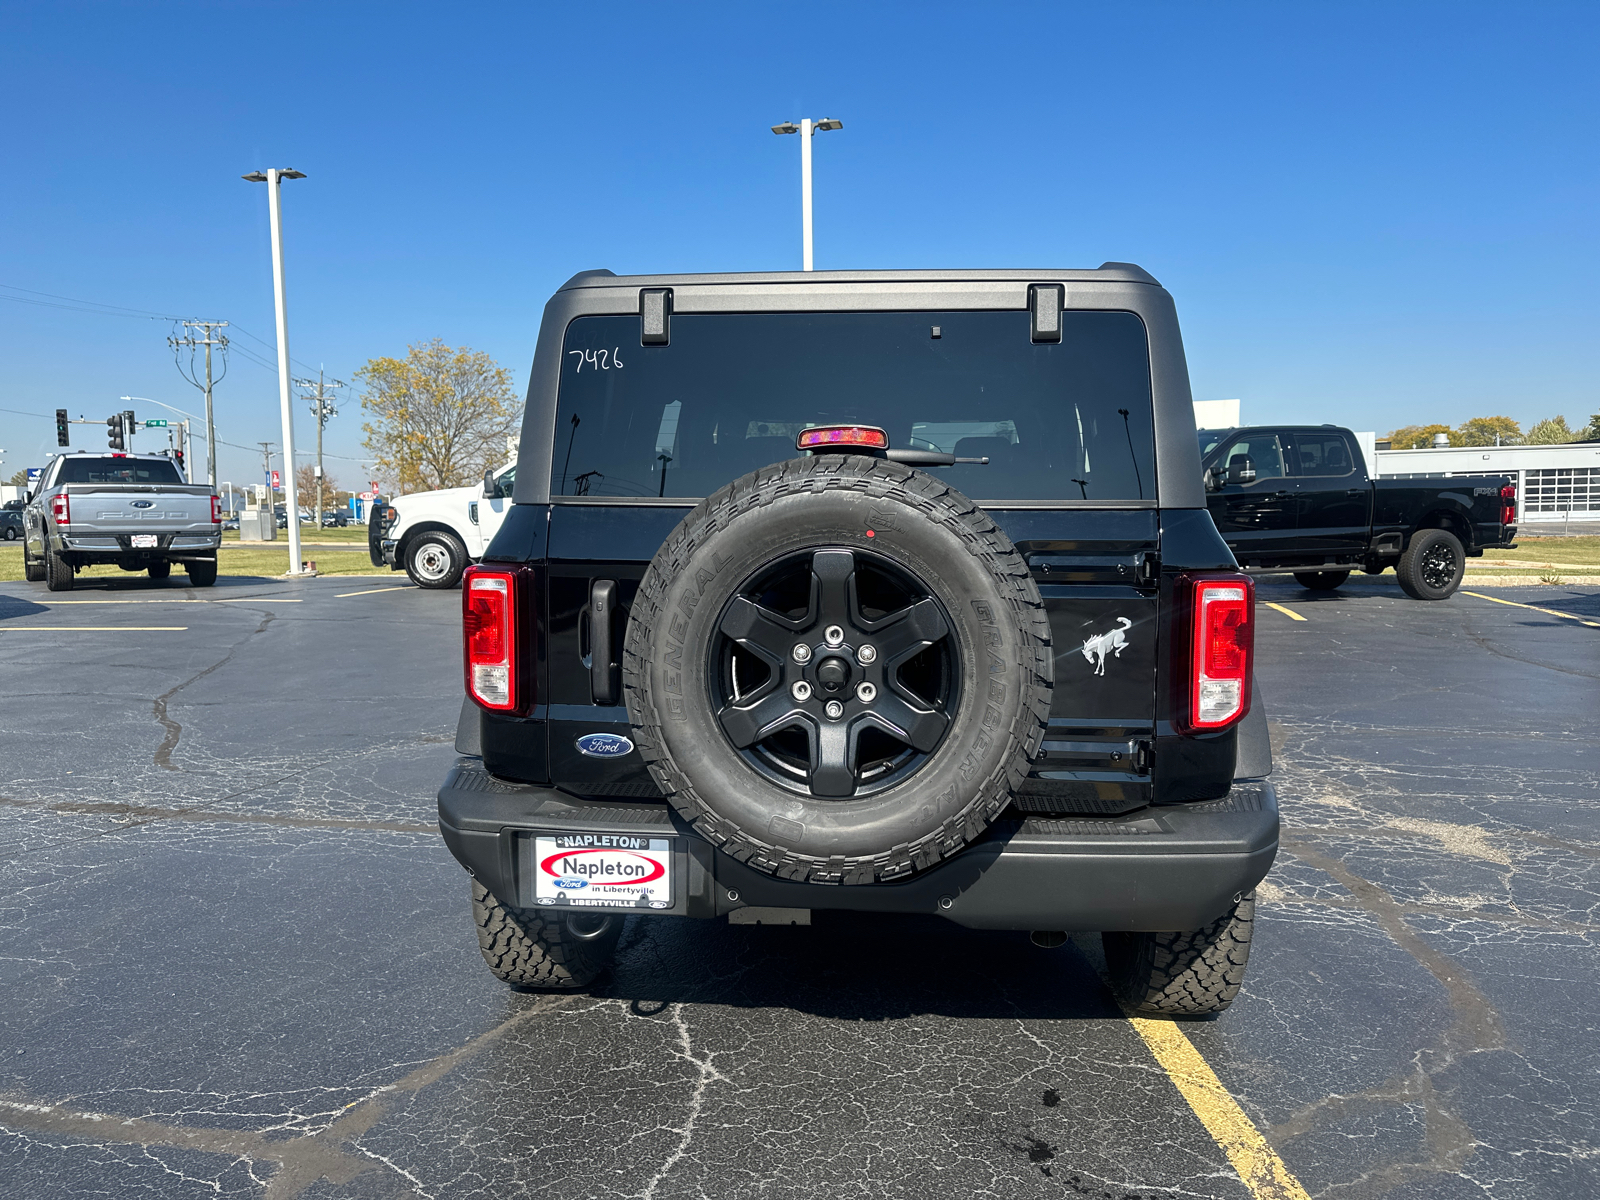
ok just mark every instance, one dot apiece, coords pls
pixel 1057 421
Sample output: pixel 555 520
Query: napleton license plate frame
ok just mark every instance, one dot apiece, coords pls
pixel 145 541
pixel 628 872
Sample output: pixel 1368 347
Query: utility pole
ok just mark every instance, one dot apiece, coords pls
pixel 191 341
pixel 322 408
pixel 266 472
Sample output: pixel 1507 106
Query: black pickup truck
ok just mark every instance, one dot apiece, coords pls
pixel 876 592
pixel 1298 498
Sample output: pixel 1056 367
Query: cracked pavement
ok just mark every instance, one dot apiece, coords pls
pixel 237 959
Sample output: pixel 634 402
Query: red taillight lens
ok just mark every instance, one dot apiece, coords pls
pixel 488 627
pixel 216 510
pixel 1224 638
pixel 824 436
pixel 61 509
pixel 1508 504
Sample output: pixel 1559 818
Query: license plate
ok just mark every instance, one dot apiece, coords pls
pixel 146 541
pixel 603 870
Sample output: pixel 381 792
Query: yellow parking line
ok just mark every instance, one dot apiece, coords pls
pixel 1551 612
pixel 93 629
pixel 1257 1163
pixel 1288 612
pixel 374 592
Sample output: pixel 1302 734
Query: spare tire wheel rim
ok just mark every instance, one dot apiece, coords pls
pixel 834 672
pixel 1438 565
pixel 432 561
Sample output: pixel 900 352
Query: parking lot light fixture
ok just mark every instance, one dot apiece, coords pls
pixel 805 129
pixel 273 178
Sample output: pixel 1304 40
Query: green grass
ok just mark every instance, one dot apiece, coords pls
pixel 231 560
pixel 1551 549
pixel 349 535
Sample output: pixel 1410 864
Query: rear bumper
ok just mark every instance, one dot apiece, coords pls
pixel 1169 868
pixel 114 547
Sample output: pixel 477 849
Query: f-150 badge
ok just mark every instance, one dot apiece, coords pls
pixel 1112 642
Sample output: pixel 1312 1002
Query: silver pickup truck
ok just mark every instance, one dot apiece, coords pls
pixel 133 510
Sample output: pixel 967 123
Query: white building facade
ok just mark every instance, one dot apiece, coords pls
pixel 1554 483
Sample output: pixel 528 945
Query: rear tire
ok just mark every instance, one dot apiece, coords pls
pixel 58 575
pixel 1321 581
pixel 436 560
pixel 1182 974
pixel 202 572
pixel 1432 565
pixel 159 570
pixel 539 948
pixel 32 571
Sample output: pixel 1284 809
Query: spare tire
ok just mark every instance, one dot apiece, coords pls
pixel 838 669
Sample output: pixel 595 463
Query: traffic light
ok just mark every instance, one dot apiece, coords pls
pixel 114 432
pixel 61 428
pixel 178 457
pixel 129 426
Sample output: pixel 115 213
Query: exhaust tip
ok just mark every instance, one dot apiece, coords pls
pixel 1047 939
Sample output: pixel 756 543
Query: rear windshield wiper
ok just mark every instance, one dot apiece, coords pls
pixel 931 458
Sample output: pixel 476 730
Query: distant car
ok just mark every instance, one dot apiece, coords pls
pixel 10 523
pixel 231 523
pixel 335 520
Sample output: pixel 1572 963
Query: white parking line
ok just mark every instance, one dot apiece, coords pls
pixel 92 628
pixel 374 592
pixel 180 600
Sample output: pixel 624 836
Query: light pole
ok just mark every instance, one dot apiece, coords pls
pixel 187 444
pixel 273 179
pixel 805 129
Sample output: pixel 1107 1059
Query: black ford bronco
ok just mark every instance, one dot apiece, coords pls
pixel 873 591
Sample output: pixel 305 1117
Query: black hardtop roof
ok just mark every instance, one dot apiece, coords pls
pixel 1111 272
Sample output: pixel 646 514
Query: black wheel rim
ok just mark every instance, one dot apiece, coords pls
pixel 866 699
pixel 1438 566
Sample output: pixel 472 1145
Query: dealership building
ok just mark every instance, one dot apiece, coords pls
pixel 1555 484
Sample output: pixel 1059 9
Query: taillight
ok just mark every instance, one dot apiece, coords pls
pixel 216 510
pixel 61 509
pixel 820 437
pixel 489 632
pixel 1224 637
pixel 1508 504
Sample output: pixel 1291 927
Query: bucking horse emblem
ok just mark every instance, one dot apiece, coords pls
pixel 1112 642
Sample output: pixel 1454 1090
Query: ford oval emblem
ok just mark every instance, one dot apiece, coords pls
pixel 143 503
pixel 604 745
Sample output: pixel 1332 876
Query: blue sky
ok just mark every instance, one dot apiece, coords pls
pixel 1370 214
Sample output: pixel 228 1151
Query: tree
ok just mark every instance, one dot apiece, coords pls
pixel 306 483
pixel 439 417
pixel 20 479
pixel 1591 433
pixel 1551 431
pixel 1415 437
pixel 1489 431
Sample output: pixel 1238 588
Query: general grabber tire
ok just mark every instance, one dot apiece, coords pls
pixel 850 581
pixel 1182 974
pixel 537 948
pixel 1432 565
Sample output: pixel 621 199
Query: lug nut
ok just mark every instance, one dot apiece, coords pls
pixel 801 690
pixel 833 635
pixel 866 693
pixel 802 652
pixel 867 654
pixel 834 709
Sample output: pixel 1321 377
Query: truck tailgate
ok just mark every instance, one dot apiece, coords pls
pixel 132 507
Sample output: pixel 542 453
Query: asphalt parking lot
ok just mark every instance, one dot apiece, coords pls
pixel 236 958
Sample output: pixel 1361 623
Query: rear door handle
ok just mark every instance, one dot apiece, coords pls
pixel 602 673
pixel 1356 492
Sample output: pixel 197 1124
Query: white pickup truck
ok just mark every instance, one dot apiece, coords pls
pixel 134 510
pixel 434 536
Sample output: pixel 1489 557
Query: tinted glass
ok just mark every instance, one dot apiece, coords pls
pixel 1209 439
pixel 118 470
pixel 1322 454
pixel 730 393
pixel 1264 450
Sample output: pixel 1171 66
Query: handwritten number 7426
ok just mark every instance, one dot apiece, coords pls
pixel 600 360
